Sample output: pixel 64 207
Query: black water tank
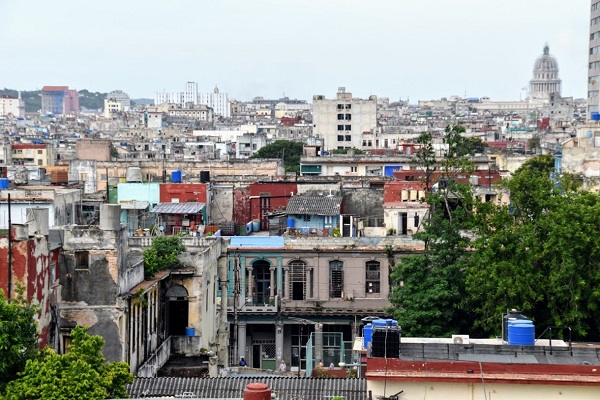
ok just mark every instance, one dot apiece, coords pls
pixel 386 342
pixel 204 176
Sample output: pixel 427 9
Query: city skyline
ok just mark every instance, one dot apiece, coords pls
pixel 400 50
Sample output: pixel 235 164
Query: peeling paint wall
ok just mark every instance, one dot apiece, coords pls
pixel 33 269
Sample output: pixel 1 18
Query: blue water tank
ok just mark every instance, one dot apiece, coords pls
pixel 176 176
pixel 189 331
pixel 521 332
pixel 256 225
pixel 596 116
pixel 380 323
pixel 367 335
pixel 3 183
pixel 291 223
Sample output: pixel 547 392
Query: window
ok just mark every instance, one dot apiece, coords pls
pixel 336 279
pixel 353 169
pixel 39 151
pixel 81 260
pixel 306 218
pixel 340 127
pixel 348 138
pixel 340 106
pixel 340 138
pixel 372 277
pixel 348 127
pixel 297 280
pixel 340 117
pixel 348 106
pixel 348 117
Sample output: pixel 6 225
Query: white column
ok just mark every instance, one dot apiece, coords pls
pixel 272 283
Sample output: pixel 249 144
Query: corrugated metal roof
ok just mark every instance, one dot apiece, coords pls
pixel 178 208
pixel 315 205
pixel 134 205
pixel 285 388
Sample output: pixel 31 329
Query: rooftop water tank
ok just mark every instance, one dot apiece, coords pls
pixel 521 332
pixel 134 174
pixel 176 176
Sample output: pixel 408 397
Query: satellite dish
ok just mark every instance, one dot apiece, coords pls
pixel 161 228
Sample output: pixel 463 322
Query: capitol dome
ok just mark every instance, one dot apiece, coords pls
pixel 545 63
pixel 545 76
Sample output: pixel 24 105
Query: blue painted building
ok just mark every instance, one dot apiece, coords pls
pixel 308 213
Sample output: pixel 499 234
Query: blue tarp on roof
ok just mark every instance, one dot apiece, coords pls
pixel 257 241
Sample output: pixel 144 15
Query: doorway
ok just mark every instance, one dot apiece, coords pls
pixel 178 309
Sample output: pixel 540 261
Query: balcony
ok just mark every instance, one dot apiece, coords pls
pixel 371 306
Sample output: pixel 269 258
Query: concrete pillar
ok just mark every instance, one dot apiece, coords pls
pixel 250 289
pixel 309 283
pixel 279 342
pixel 318 343
pixel 286 279
pixel 241 339
pixel 223 331
pixel 272 283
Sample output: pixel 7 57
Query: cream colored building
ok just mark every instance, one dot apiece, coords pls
pixel 342 121
pixel 12 106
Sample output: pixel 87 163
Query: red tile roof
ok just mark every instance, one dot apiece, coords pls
pixel 55 88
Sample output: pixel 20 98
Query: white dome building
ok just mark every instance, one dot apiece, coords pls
pixel 545 80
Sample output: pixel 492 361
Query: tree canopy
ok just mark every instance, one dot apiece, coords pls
pixel 289 151
pixel 18 336
pixel 162 254
pixel 429 287
pixel 539 254
pixel 82 373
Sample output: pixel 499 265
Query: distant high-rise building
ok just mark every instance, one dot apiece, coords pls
pixel 218 101
pixel 545 80
pixel 191 93
pixel 59 100
pixel 120 97
pixel 594 59
pixel 341 122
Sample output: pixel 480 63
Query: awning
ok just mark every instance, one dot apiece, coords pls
pixel 178 208
pixel 135 205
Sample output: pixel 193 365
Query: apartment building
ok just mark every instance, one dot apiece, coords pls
pixel 342 121
pixel 59 100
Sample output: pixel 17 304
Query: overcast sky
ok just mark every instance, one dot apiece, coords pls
pixel 417 49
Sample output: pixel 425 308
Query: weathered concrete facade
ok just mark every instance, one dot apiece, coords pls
pixel 34 269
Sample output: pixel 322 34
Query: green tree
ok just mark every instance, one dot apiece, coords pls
pixel 345 151
pixel 162 254
pixel 429 290
pixel 81 373
pixel 18 336
pixel 289 151
pixel 538 254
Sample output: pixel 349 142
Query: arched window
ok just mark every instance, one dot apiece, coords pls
pixel 336 279
pixel 297 280
pixel 372 278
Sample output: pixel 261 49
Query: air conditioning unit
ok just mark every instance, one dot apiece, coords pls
pixel 460 339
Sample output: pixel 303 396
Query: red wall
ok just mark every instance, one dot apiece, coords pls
pixel 184 192
pixel 247 204
pixel 31 268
